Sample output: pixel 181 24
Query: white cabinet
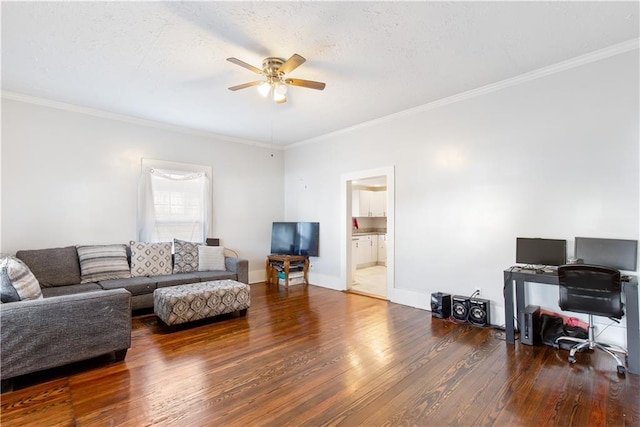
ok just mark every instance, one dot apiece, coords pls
pixel 360 253
pixel 378 203
pixel 356 252
pixel 361 201
pixel 365 252
pixel 354 257
pixel 373 245
pixel 382 249
pixel 368 203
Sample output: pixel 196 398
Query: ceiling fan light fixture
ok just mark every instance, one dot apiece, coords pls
pixel 264 88
pixel 280 88
pixel 279 97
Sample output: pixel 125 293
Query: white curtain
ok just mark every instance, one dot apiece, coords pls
pixel 173 204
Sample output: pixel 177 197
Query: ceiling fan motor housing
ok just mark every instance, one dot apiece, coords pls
pixel 271 67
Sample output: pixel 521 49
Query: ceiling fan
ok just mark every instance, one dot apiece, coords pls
pixel 275 70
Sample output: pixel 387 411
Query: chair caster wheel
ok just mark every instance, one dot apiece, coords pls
pixel 621 370
pixel 571 359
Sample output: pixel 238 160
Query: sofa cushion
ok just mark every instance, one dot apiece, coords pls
pixel 206 276
pixel 70 289
pixel 22 279
pixel 186 256
pixel 135 285
pixel 211 258
pixel 7 292
pixel 53 267
pixel 175 279
pixel 103 262
pixel 150 259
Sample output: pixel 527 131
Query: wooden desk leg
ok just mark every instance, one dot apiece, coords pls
pixel 286 273
pixel 306 271
pixel 269 271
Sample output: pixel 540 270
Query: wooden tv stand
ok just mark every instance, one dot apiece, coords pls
pixel 285 261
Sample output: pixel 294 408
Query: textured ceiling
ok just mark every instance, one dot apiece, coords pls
pixel 165 61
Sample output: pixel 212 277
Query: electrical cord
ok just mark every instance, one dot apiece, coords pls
pixel 605 328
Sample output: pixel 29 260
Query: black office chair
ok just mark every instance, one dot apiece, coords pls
pixel 594 290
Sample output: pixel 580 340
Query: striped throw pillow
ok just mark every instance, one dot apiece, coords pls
pixel 103 262
pixel 22 279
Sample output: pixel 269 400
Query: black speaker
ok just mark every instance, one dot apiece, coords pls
pixel 530 334
pixel 479 312
pixel 440 305
pixel 460 307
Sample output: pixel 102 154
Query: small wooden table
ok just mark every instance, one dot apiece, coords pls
pixel 285 260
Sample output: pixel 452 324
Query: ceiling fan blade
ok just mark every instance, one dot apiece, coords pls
pixel 291 64
pixel 245 65
pixel 305 83
pixel 244 85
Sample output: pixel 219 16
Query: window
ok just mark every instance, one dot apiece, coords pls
pixel 173 204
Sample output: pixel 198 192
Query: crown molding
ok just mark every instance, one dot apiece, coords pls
pixel 610 51
pixel 14 96
pixel 578 61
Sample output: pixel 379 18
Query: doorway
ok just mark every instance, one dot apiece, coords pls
pixel 367 262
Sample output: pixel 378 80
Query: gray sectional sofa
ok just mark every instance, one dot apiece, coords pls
pixel 76 321
pixel 58 271
pixel 50 332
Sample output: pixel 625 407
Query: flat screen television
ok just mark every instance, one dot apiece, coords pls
pixel 541 251
pixel 614 253
pixel 295 238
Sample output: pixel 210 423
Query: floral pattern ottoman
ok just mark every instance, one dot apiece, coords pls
pixel 185 303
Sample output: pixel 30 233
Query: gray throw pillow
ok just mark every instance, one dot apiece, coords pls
pixel 7 292
pixel 53 267
pixel 186 256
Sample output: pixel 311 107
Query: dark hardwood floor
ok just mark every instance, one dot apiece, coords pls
pixel 314 357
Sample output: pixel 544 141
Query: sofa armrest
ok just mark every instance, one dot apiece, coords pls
pixel 239 266
pixel 50 332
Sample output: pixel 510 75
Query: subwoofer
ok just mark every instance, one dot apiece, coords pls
pixel 530 333
pixel 440 305
pixel 479 310
pixel 460 307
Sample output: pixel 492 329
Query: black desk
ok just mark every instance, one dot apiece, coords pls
pixel 520 277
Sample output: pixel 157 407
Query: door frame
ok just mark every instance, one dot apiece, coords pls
pixel 346 229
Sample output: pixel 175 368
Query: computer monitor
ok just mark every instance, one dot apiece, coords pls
pixel 541 251
pixel 614 253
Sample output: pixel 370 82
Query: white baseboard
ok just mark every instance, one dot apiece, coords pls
pixel 325 281
pixel 411 298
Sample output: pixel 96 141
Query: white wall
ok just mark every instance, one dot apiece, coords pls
pixel 70 178
pixel 554 157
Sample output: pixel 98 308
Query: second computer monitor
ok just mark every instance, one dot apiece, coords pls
pixel 614 253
